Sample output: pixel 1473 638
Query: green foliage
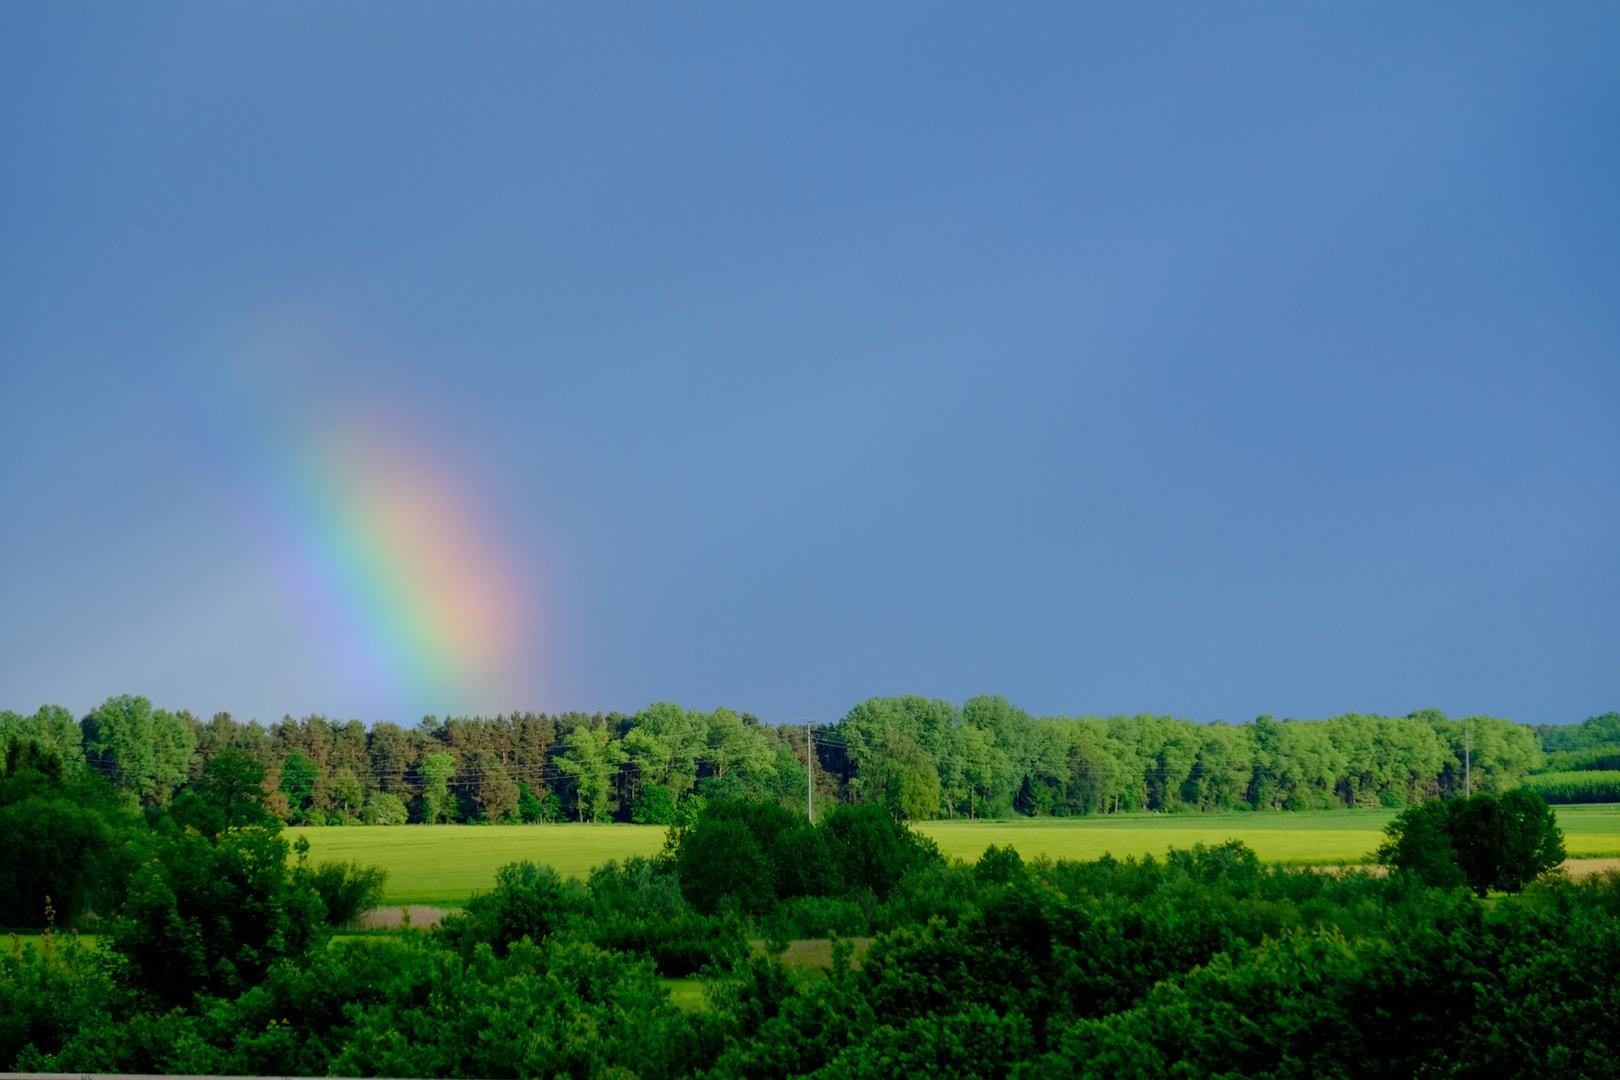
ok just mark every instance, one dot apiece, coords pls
pixel 1487 841
pixel 1578 786
pixel 1420 842
pixel 48 994
pixel 1594 732
pixel 745 856
pixel 145 752
pixel 528 901
pixel 724 858
pixel 591 760
pixel 999 866
pixel 562 1008
pixel 902 778
pixel 228 795
pixel 1505 842
pixel 63 835
pixel 532 809
pixel 298 777
pixel 348 890
pixel 1598 758
pixel 1205 963
pixel 436 769
pixel 653 806
pixel 920 758
pixel 497 796
pixel 384 808
pixel 52 728
pixel 211 916
pixel 872 850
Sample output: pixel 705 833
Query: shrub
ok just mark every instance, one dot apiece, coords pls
pixel 348 890
pixel 820 916
pixel 211 916
pixel 722 863
pixel 385 808
pixel 527 901
pixel 874 851
pixel 999 866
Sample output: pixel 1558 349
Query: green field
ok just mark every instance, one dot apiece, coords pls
pixel 445 864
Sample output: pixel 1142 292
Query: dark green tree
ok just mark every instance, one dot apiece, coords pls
pixel 207 916
pixel 724 857
pixel 298 776
pixel 1419 840
pixel 653 806
pixel 233 782
pixel 1486 841
pixel 62 836
pixel 1505 841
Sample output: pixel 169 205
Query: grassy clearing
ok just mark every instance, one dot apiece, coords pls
pixel 816 953
pixel 1327 836
pixel 686 994
pixel 445 864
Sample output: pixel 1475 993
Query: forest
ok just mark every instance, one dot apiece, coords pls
pixel 922 758
pixel 185 934
pixel 220 951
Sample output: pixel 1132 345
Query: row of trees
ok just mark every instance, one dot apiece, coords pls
pixel 921 758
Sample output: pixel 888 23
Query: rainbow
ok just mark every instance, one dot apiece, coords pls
pixel 402 575
pixel 406 566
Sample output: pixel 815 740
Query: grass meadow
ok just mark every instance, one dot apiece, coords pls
pixel 445 864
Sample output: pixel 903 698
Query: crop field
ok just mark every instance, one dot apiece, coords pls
pixel 446 864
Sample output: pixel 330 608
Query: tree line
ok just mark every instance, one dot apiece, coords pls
pixel 921 758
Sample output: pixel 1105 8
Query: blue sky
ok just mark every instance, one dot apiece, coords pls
pixel 1140 358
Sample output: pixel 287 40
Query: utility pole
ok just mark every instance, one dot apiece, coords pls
pixel 809 775
pixel 1468 764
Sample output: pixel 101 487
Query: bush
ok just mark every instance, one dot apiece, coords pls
pixel 819 916
pixel 211 916
pixel 400 1007
pixel 348 890
pixel 528 901
pixel 722 863
pixel 47 996
pixel 385 808
pixel 999 866
pixel 873 850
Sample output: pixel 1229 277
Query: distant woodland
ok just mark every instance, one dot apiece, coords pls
pixel 922 758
